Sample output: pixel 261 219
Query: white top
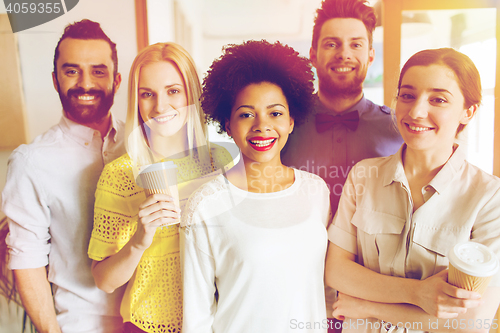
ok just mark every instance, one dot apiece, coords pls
pixel 265 252
pixel 49 200
pixel 376 222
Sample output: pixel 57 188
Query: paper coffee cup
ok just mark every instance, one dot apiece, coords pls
pixel 472 265
pixel 160 178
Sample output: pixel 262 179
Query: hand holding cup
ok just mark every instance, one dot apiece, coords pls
pixel 156 211
pixel 161 206
pixel 440 299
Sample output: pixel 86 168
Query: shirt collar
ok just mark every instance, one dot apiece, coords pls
pixel 395 171
pixel 443 178
pixel 82 133
pixel 359 106
pixel 114 130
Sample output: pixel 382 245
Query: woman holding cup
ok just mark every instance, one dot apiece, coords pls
pixel 399 216
pixel 254 240
pixel 135 238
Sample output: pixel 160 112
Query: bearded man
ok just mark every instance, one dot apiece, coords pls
pixel 49 194
pixel 344 126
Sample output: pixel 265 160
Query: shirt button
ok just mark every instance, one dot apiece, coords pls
pixel 339 140
pixel 86 143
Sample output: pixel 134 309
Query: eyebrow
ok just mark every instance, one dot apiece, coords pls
pixel 409 86
pixel 167 86
pixel 67 65
pixel 339 39
pixel 267 107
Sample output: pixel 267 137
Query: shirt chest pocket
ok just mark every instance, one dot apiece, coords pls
pixel 430 248
pixel 379 235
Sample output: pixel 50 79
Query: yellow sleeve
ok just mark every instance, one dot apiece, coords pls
pixel 117 200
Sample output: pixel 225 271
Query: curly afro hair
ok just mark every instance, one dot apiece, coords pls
pixel 255 62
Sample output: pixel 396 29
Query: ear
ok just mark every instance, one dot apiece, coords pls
pixel 468 114
pixel 228 130
pixel 292 124
pixel 312 56
pixel 54 81
pixel 371 56
pixel 118 81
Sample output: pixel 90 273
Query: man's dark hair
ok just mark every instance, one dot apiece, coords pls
pixel 256 62
pixel 357 9
pixel 87 30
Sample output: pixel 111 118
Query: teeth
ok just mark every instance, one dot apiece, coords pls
pixel 86 97
pixel 418 129
pixel 262 143
pixel 162 120
pixel 343 69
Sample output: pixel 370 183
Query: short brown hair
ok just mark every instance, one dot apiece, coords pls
pixel 357 9
pixel 87 30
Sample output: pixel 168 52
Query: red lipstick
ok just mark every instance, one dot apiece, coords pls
pixel 261 143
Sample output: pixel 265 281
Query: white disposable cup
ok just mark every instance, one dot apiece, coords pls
pixel 160 178
pixel 472 265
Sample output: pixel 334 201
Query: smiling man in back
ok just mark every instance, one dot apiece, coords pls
pixel 344 126
pixel 49 194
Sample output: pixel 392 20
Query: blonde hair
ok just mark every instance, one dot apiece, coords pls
pixel 197 133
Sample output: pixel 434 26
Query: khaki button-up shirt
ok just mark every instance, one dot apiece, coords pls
pixel 376 222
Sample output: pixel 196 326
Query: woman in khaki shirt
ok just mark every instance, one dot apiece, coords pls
pixel 399 215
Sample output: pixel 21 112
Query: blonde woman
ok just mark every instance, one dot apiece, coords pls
pixel 135 240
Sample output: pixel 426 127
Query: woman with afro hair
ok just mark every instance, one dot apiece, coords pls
pixel 253 240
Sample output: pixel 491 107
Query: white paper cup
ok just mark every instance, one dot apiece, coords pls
pixel 160 178
pixel 472 265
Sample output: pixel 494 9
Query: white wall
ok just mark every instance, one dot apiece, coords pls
pixel 43 108
pixel 260 19
pixel 161 25
pixel 160 21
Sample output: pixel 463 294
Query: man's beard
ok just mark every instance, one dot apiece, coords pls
pixel 86 114
pixel 341 88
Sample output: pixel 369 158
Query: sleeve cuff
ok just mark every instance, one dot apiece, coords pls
pixel 26 254
pixel 27 262
pixel 99 251
pixel 343 239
